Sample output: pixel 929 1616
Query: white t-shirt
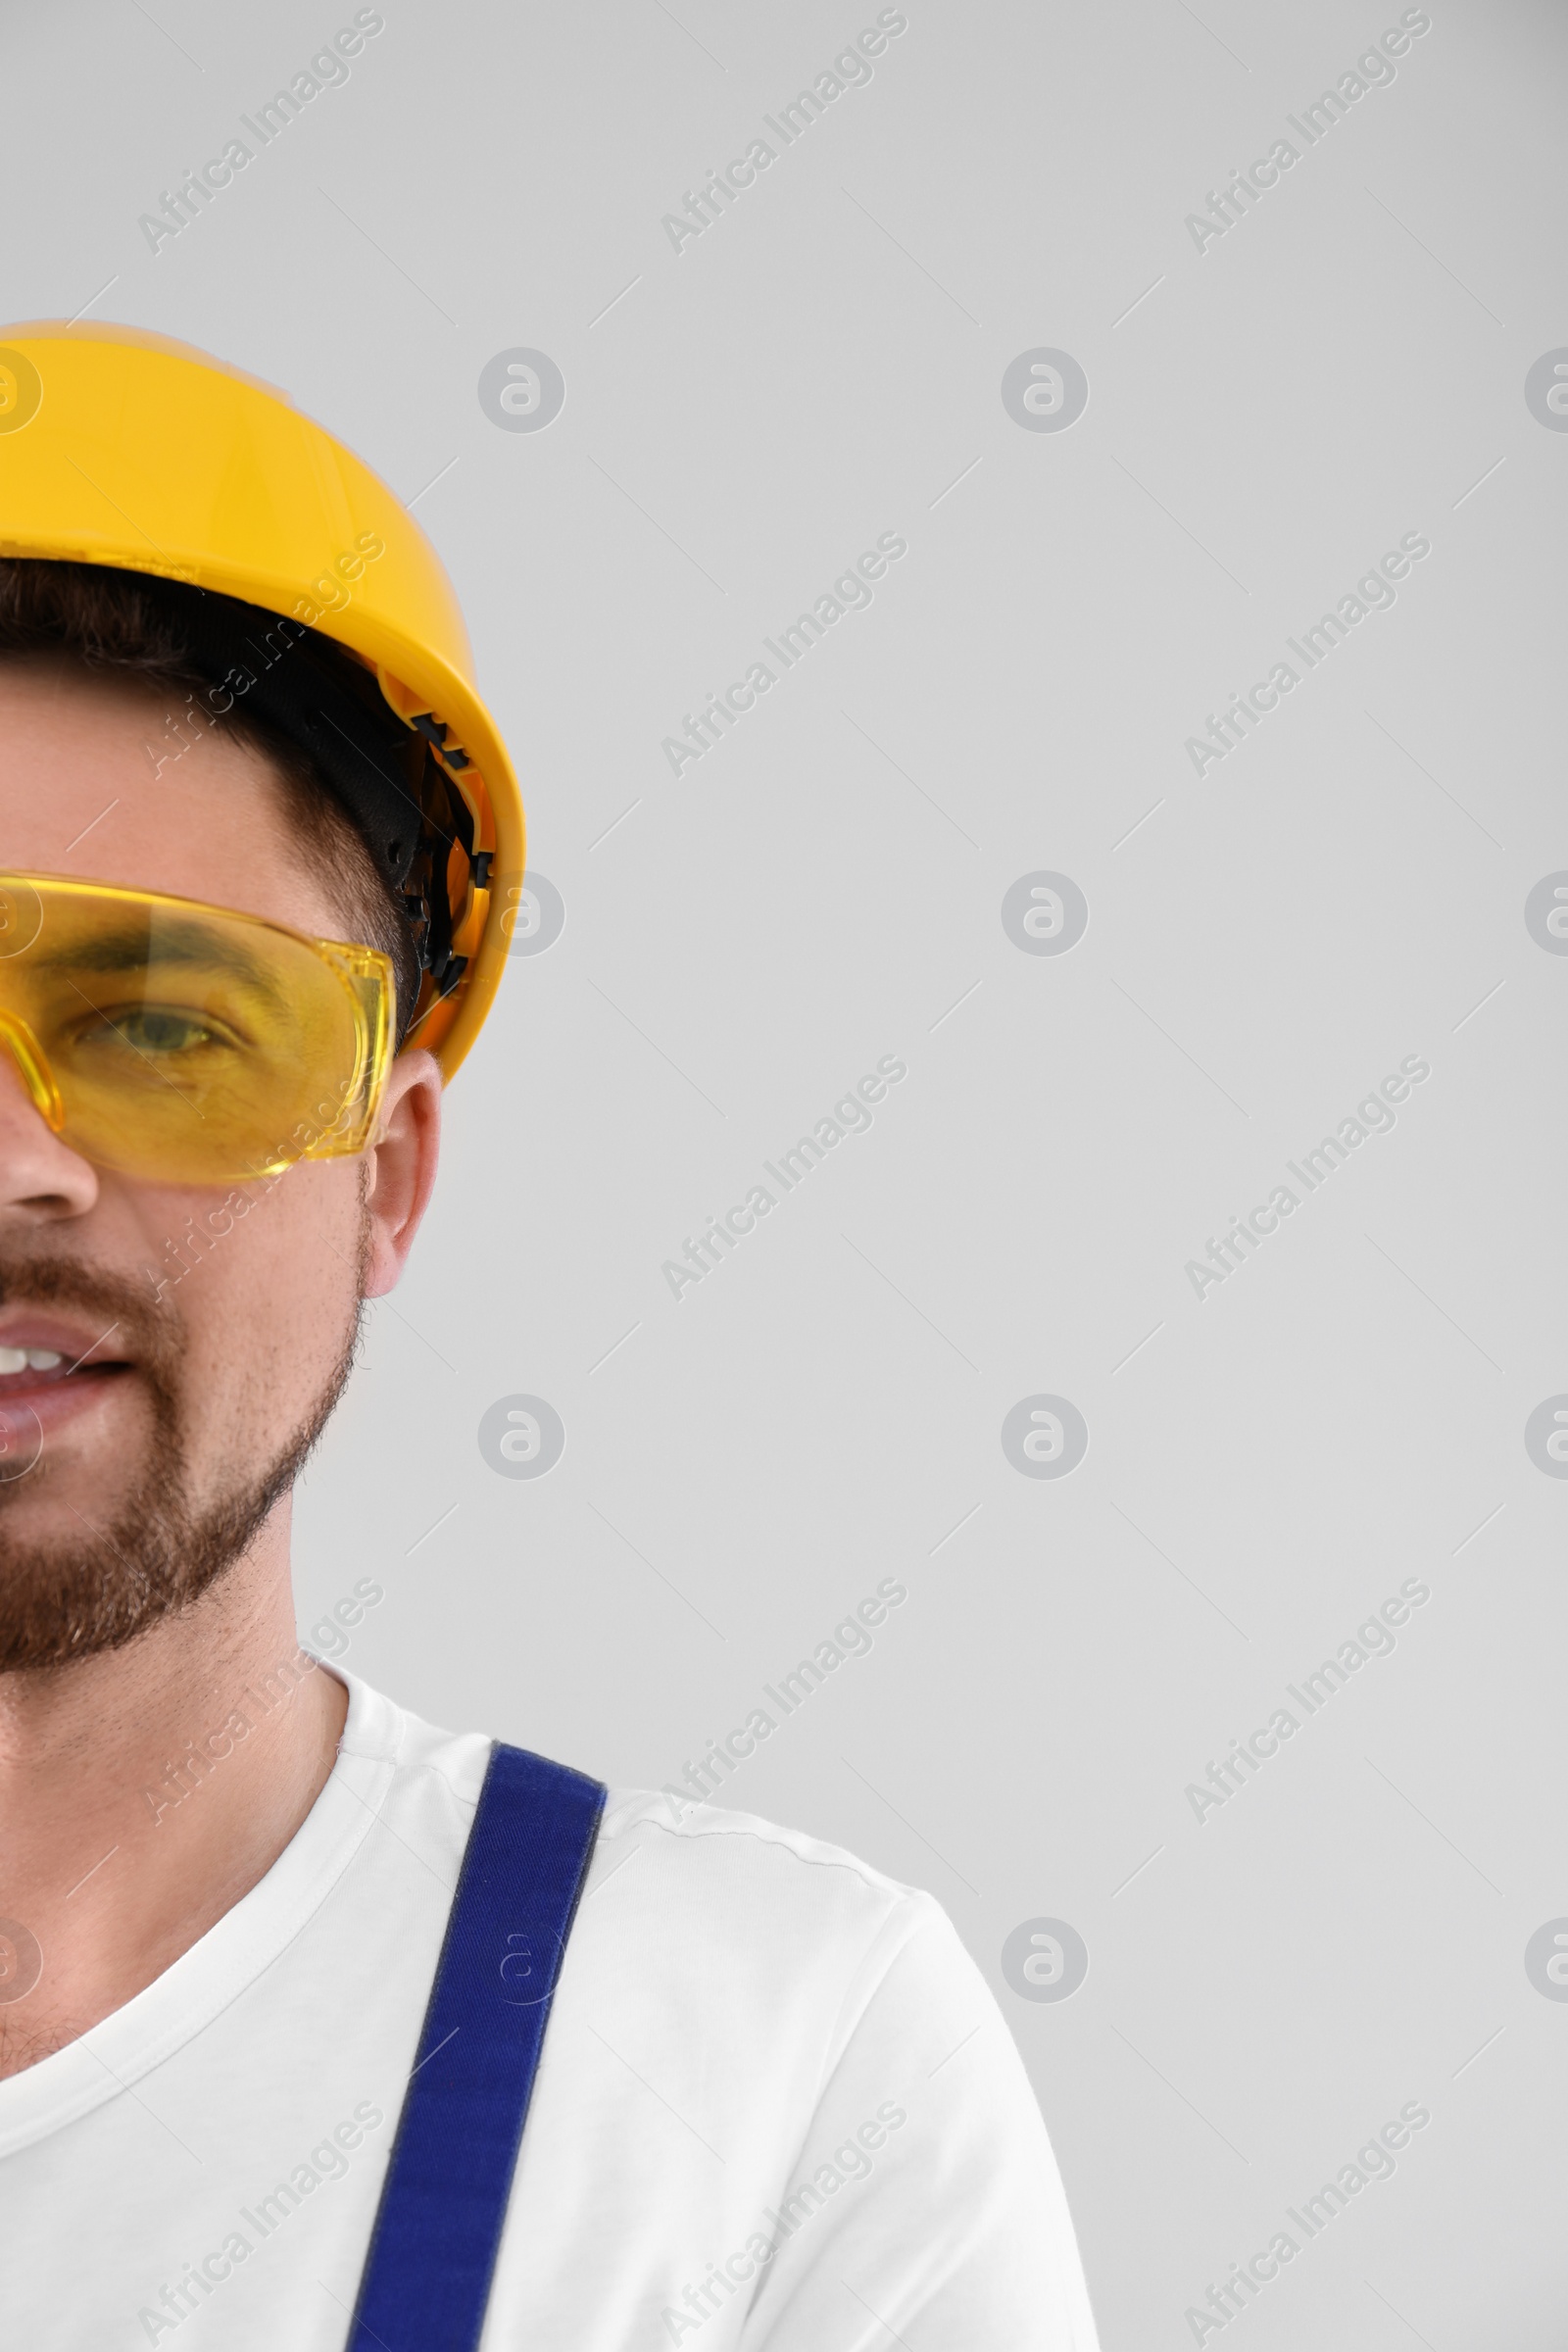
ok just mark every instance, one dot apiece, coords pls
pixel 778 2110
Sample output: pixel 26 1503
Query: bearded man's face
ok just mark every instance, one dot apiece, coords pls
pixel 201 1335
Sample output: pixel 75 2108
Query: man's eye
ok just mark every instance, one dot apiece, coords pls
pixel 156 1030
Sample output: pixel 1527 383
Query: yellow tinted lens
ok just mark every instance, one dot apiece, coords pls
pixel 184 1043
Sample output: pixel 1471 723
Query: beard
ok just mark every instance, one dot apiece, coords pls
pixel 160 1550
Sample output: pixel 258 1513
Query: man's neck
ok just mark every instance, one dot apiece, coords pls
pixel 145 1791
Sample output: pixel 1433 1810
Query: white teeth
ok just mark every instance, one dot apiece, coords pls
pixel 13 1359
pixel 43 1359
pixel 23 1359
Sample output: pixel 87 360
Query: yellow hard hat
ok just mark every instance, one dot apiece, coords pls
pixel 124 448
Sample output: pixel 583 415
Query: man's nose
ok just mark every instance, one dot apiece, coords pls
pixel 41 1178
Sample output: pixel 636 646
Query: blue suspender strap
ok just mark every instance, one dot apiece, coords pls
pixel 438 2227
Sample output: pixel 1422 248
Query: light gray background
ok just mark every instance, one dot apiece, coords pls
pixel 1266 1987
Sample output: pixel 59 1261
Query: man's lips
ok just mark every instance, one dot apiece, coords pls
pixel 52 1365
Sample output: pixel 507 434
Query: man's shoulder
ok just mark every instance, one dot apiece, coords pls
pixel 677 1848
pixel 746 1877
pixel 700 1891
pixel 774 1948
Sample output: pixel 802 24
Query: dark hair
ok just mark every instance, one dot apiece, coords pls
pixel 109 623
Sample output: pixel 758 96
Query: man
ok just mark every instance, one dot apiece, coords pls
pixel 276 1959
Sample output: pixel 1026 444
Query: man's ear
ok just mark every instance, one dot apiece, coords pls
pixel 401 1167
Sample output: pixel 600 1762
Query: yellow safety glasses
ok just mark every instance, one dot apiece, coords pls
pixel 185 1043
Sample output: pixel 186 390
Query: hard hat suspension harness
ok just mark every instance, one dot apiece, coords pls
pixel 394 778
